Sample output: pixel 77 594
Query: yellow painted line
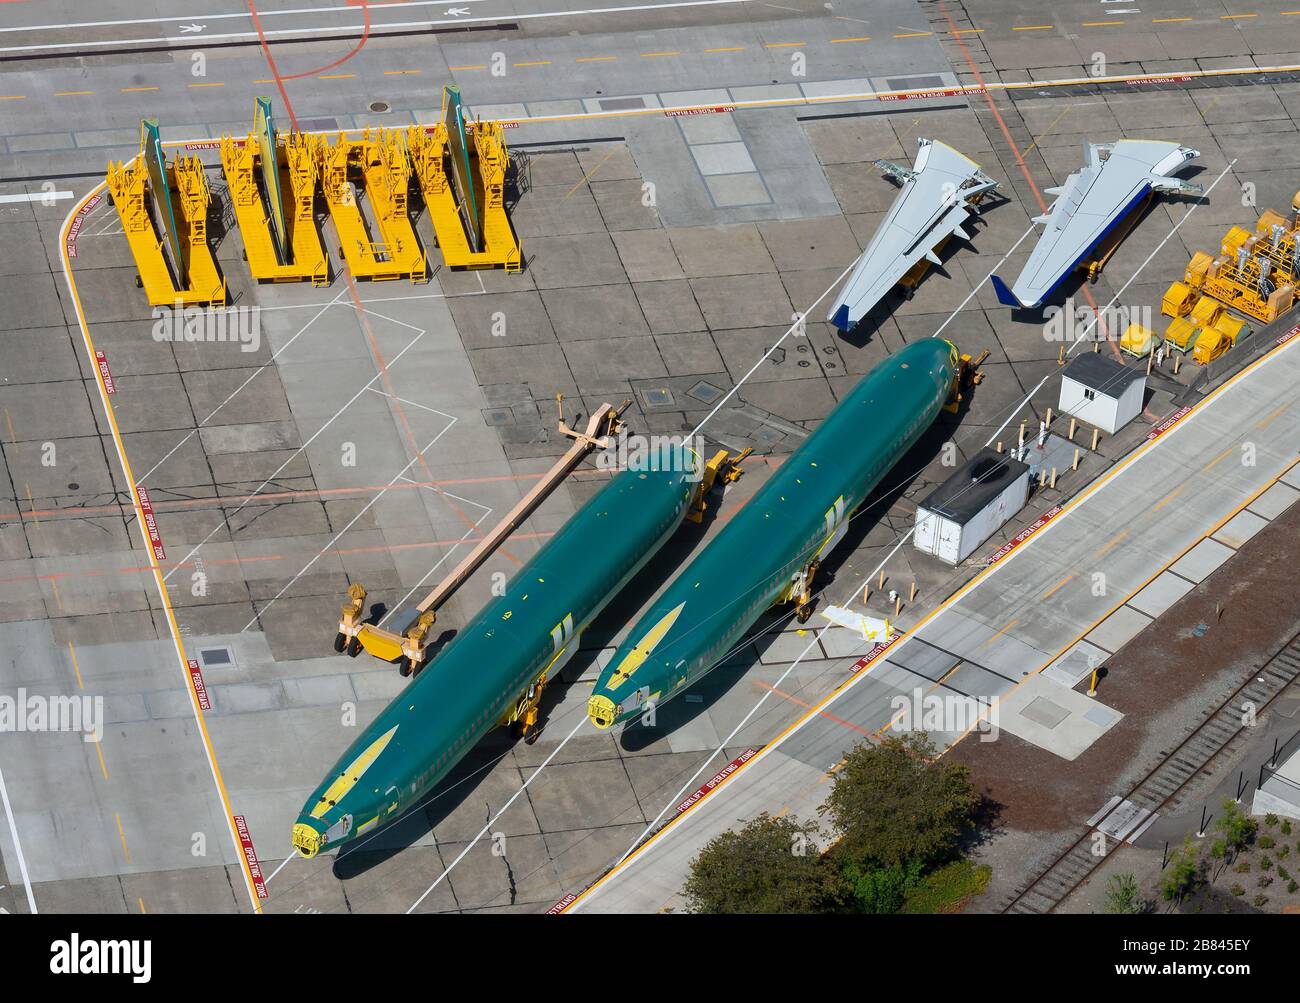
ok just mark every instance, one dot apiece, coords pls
pixel 161 586
pixel 72 94
pixel 215 83
pixel 967 31
pixel 75 666
pixel 535 62
pixel 58 599
pixel 1277 413
pixel 140 903
pixel 1218 459
pixel 595 59
pixel 137 90
pixel 587 177
pixel 860 38
pixel 656 55
pixel 103 767
pixel 32 502
pixel 783 45
pixel 461 69
pixel 1009 625
pixel 1168 20
pixel 733 48
pixel 1059 585
pixel 400 73
pixel 1035 27
pixel 1112 543
pixel 1099 24
pixel 13 97
pixel 336 76
pixel 1167 499
pixel 1072 504
pixel 1235 17
pixel 122 835
pixel 913 34
pixel 268 80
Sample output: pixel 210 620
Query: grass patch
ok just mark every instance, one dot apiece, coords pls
pixel 948 889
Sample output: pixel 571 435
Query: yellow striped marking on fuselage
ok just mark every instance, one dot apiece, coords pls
pixel 645 647
pixel 352 774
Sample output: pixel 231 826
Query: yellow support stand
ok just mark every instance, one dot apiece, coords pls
pixel 382 166
pixel 428 147
pixel 297 168
pixel 190 197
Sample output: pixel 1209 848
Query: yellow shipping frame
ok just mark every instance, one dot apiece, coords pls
pixel 189 193
pixel 427 148
pixel 383 165
pixel 297 170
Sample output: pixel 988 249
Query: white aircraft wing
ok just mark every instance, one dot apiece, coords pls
pixel 932 205
pixel 1094 200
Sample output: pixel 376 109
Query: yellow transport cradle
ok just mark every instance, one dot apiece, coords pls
pixel 296 163
pixel 380 163
pixel 428 148
pixel 189 195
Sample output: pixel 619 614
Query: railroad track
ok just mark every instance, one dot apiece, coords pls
pixel 1161 787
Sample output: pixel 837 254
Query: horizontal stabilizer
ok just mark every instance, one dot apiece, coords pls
pixel 1052 191
pixel 933 258
pixel 840 318
pixel 1005 296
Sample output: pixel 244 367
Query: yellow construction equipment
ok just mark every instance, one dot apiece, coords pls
pixel 295 163
pixel 722 468
pixel 166 203
pixel 489 160
pixel 1180 333
pixel 1256 271
pixel 377 167
pixel 1215 341
pixel 1137 340
pixel 1178 300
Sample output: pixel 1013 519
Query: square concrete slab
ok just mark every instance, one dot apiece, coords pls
pixel 1240 528
pixel 1202 560
pixel 1075 665
pixel 1119 628
pixel 737 189
pixel 722 158
pixel 1053 718
pixel 1292 476
pixel 1162 593
pixel 701 129
pixel 1276 500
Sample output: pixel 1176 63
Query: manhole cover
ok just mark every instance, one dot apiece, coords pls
pixel 380 106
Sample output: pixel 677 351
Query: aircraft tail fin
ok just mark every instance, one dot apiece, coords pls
pixel 1005 296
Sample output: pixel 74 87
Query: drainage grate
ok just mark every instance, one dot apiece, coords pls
pixel 216 657
pixel 380 106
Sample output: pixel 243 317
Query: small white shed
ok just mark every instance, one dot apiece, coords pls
pixel 1100 391
pixel 971 505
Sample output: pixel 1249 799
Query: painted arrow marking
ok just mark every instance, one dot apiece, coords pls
pixel 456 11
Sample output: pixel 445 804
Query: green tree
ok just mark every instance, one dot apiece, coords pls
pixel 1123 897
pixel 1182 874
pixel 1237 827
pixel 770 866
pixel 894 804
pixel 881 889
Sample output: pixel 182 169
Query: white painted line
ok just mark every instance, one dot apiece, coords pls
pixel 46 197
pixel 351 522
pixel 318 30
pixel 18 847
pixel 470 845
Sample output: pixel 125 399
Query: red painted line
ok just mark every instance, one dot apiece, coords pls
pixel 200 689
pixel 717 780
pixel 101 360
pixel 77 222
pixel 151 523
pixel 270 61
pixel 1025 534
pixel 1168 423
pixel 254 868
pixel 721 109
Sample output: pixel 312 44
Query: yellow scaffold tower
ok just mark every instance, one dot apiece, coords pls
pixel 270 223
pixel 378 164
pixel 488 160
pixel 164 212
